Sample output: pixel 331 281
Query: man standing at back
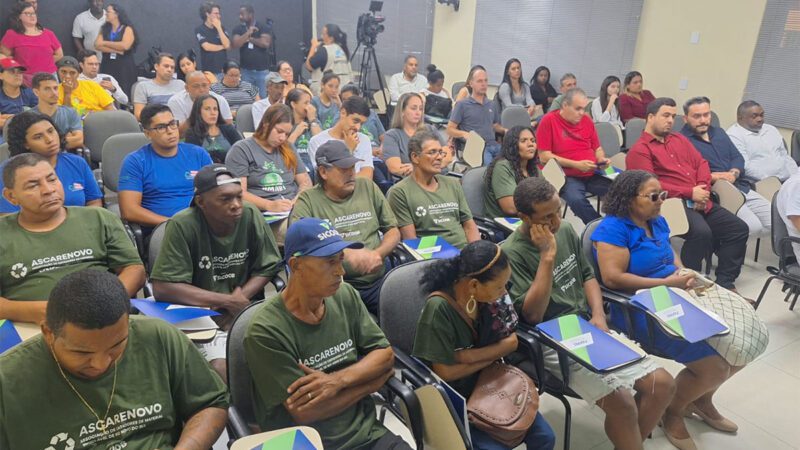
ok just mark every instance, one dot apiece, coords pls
pixel 212 38
pixel 761 144
pixel 568 135
pixel 86 27
pixel 477 113
pixel 409 80
pixel 159 89
pixel 253 39
pixel 157 180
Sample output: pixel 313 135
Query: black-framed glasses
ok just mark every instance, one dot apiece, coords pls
pixel 656 196
pixel 162 127
pixel 435 153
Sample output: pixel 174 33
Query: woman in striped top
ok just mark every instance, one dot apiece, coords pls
pixel 235 91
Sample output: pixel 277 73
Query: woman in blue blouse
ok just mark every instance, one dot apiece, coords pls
pixel 633 252
pixel 32 132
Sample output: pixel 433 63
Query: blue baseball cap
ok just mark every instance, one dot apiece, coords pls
pixel 314 237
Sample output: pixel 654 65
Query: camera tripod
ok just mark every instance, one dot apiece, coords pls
pixel 368 58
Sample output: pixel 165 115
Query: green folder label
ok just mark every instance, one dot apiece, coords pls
pixel 666 310
pixel 571 331
pixel 427 247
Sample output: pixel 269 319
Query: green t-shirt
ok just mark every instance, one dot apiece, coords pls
pixel 33 262
pixel 502 185
pixel 571 270
pixel 439 213
pixel 441 332
pixel 276 341
pixel 162 380
pixel 192 254
pixel 362 217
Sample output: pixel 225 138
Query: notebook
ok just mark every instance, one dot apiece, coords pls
pixel 430 247
pixel 291 440
pixel 187 318
pixel 592 347
pixel 509 223
pixel 679 315
pixel 9 337
pixel 609 172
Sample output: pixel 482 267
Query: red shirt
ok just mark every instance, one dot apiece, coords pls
pixel 677 164
pixel 576 142
pixel 631 107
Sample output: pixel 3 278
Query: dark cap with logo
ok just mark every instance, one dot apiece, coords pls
pixel 68 61
pixel 206 178
pixel 314 237
pixel 335 153
pixel 275 78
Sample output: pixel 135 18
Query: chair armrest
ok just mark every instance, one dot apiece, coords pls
pixel 562 354
pixel 407 363
pixel 278 283
pixel 749 180
pixel 399 256
pixel 786 251
pixel 410 400
pixel 237 427
pixel 531 348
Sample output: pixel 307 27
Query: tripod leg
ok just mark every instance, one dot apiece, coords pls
pixel 380 78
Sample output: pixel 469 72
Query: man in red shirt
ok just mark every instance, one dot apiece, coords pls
pixel 568 136
pixel 684 173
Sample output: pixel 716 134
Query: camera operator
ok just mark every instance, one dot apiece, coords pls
pixel 333 56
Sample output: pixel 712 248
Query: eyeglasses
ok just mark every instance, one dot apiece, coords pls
pixel 162 127
pixel 29 14
pixel 655 196
pixel 435 153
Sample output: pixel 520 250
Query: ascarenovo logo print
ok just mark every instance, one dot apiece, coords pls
pixel 205 262
pixel 69 444
pixel 19 270
pixel 421 211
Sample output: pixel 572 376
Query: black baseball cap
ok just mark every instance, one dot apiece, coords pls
pixel 206 178
pixel 335 153
pixel 68 61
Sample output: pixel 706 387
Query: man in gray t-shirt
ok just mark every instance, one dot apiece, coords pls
pixel 268 177
pixel 159 89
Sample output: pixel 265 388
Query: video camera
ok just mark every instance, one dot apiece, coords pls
pixel 370 24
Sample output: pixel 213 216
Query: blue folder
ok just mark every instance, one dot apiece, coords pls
pixel 174 315
pixel 679 315
pixel 9 337
pixel 430 247
pixel 594 348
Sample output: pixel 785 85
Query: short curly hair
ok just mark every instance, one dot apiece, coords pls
pixel 623 191
pixel 18 130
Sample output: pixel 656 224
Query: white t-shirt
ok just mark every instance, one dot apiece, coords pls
pixel 181 106
pixel 788 204
pixel 363 149
pixel 87 27
pixel 258 110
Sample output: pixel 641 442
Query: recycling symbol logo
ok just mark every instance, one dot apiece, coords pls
pixel 421 211
pixel 69 444
pixel 19 270
pixel 205 262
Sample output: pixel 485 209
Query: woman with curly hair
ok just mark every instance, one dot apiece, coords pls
pixel 32 132
pixel 634 252
pixel 518 160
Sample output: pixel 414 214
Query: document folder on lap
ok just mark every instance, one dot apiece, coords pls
pixel 609 172
pixel 187 318
pixel 508 223
pixel 594 348
pixel 430 247
pixel 9 337
pixel 273 216
pixel 679 315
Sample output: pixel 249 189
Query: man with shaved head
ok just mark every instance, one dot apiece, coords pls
pixel 181 103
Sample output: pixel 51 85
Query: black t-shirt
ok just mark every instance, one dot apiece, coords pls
pixel 319 59
pixel 210 61
pixel 251 56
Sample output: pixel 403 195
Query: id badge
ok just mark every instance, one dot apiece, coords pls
pixel 250 45
pixel 113 56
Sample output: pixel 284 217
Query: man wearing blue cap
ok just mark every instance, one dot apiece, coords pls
pixel 314 352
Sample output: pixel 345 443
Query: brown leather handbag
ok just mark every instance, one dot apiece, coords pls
pixel 504 402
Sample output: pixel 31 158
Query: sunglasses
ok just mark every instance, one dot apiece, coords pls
pixel 655 196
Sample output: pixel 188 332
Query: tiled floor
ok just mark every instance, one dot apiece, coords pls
pixel 763 399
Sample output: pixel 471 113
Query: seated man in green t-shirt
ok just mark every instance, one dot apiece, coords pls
pixel 550 277
pixel 97 378
pixel 218 253
pixel 314 352
pixel 427 203
pixel 357 209
pixel 45 240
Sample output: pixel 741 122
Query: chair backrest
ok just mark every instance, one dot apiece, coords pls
pixel 115 149
pixel 133 92
pixel 730 197
pixel 381 102
pixel 618 161
pixel 768 187
pixel 240 381
pixel 795 151
pixel 457 87
pixel 587 246
pixel 440 429
pixel 680 121
pixel 714 120
pixel 515 116
pixel 554 174
pixel 472 183
pixel 674 213
pixel 244 119
pixel 402 299
pixel 473 149
pixel 5 153
pixel 5 127
pixel 609 138
pixel 779 230
pixel 633 129
pixel 99 126
pixel 154 246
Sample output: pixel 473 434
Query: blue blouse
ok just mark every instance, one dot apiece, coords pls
pixel 651 257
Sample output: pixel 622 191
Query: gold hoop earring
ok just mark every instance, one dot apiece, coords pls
pixel 471 304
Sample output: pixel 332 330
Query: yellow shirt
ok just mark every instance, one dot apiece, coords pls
pixel 87 97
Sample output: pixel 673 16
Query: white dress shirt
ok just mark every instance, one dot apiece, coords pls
pixel 764 152
pixel 399 85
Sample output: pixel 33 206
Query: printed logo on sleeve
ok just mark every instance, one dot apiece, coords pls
pixel 75 187
pixel 190 174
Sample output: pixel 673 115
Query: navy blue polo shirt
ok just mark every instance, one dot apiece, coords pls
pixel 470 115
pixel 721 154
pixel 25 101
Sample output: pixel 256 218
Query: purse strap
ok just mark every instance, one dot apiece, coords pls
pixel 458 309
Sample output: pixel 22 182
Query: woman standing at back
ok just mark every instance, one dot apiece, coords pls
pixel 26 40
pixel 333 56
pixel 117 41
